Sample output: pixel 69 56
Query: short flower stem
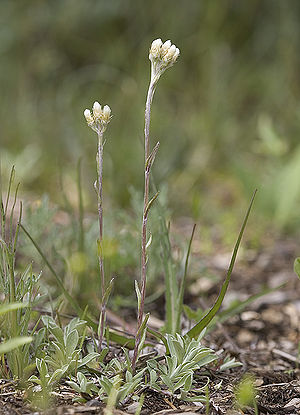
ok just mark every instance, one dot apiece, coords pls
pixel 98 188
pixel 150 95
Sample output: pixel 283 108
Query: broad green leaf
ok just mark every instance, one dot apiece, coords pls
pixel 71 342
pixel 196 330
pixel 88 358
pixel 188 383
pixel 73 385
pixel 56 376
pixel 42 367
pixel 34 379
pixel 175 348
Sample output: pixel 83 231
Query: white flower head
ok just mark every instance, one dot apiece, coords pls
pixel 162 56
pixel 106 113
pixel 155 49
pixel 97 111
pixel 165 47
pixel 99 118
pixel 88 116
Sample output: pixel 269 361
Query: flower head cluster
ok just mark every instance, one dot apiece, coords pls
pixel 98 118
pixel 162 56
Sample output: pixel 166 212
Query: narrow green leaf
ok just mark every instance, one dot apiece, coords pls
pixel 171 293
pixel 13 343
pixel 196 330
pixel 239 306
pixel 12 213
pixel 5 308
pixel 138 293
pixel 143 327
pixel 108 291
pixel 183 281
pixel 10 182
pixel 81 209
pixel 150 204
pixel 297 266
pixel 117 338
pixel 58 279
pixel 149 241
pixel 151 158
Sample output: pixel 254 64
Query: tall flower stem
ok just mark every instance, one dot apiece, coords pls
pixel 162 56
pixel 98 188
pixel 98 121
pixel 147 171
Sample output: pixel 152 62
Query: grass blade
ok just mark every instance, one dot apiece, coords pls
pixel 5 308
pixel 171 294
pixel 81 209
pixel 297 266
pixel 182 284
pixel 118 338
pixel 13 343
pixel 196 330
pixel 72 302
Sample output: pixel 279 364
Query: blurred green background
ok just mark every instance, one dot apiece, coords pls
pixel 227 114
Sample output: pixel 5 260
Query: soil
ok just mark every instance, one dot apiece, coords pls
pixel 264 337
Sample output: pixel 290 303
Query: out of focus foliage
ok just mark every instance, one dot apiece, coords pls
pixel 227 116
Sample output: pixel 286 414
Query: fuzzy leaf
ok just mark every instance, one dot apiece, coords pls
pixel 56 376
pixel 73 385
pixel 88 358
pixel 42 367
pixel 71 342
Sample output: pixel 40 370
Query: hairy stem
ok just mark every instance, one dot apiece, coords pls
pixel 99 160
pixel 150 95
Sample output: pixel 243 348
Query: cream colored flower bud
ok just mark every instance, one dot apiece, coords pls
pixel 169 55
pixel 88 116
pixel 155 49
pixel 97 111
pixel 106 113
pixel 165 47
pixel 175 56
